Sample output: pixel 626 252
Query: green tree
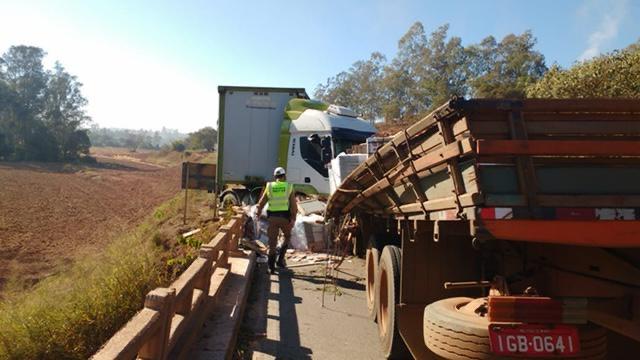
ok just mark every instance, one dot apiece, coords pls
pixel 443 70
pixel 132 140
pixel 360 88
pixel 426 72
pixel 8 119
pixel 366 77
pixel 616 74
pixel 205 138
pixel 64 112
pixel 178 145
pixel 430 69
pixel 24 81
pixel 337 90
pixel 401 80
pixel 504 69
pixel 23 70
pixel 40 111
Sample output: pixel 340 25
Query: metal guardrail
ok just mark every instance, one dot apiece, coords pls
pixel 156 329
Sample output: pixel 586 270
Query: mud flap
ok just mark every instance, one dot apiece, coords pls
pixel 411 328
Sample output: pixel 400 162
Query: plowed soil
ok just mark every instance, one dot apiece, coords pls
pixel 52 213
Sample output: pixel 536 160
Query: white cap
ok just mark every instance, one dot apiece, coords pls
pixel 279 171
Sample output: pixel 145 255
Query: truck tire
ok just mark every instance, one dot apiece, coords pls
pixel 380 240
pixel 245 198
pixel 388 294
pixel 254 195
pixel 229 197
pixel 455 332
pixel 371 260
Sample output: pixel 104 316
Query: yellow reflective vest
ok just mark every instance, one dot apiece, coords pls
pixel 278 193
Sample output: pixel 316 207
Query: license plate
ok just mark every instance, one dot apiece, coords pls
pixel 534 340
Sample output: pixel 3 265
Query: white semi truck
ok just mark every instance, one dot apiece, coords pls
pixel 260 128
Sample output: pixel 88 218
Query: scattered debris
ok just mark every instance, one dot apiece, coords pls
pixel 254 245
pixel 313 206
pixel 190 233
pixel 332 289
pixel 305 264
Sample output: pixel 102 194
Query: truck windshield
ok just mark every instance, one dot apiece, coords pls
pixel 342 145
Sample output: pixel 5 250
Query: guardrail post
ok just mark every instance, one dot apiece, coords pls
pixel 237 231
pixel 204 281
pixel 226 230
pixel 161 300
pixel 183 305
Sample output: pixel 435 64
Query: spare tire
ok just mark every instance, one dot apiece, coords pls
pixel 454 331
pixel 371 272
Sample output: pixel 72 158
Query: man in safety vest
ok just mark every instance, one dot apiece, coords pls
pixel 281 214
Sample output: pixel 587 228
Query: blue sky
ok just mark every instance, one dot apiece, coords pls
pixel 149 64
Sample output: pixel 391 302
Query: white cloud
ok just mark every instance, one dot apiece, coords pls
pixel 607 28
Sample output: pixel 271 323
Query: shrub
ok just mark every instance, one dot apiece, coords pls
pixel 178 146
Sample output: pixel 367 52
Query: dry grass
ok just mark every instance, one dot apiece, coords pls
pixel 209 158
pixel 164 157
pixel 71 314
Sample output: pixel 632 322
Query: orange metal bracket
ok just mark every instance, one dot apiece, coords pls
pixel 598 233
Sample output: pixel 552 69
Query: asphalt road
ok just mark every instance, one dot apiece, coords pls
pixel 285 319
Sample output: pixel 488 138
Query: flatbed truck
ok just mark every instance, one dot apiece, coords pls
pixel 496 228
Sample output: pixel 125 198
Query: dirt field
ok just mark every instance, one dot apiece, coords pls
pixel 50 213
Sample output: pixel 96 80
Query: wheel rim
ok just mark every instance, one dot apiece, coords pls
pixel 383 321
pixel 371 278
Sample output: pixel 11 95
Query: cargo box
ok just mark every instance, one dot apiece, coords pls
pixel 532 159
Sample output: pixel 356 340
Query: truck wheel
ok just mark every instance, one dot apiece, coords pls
pixel 229 198
pixel 254 195
pixel 387 287
pixel 453 330
pixel 371 260
pixel 246 199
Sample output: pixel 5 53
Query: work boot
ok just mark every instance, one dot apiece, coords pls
pixel 281 255
pixel 272 263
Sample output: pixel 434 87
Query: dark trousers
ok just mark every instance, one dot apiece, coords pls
pixel 277 223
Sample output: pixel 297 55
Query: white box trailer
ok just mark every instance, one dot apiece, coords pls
pixel 249 132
